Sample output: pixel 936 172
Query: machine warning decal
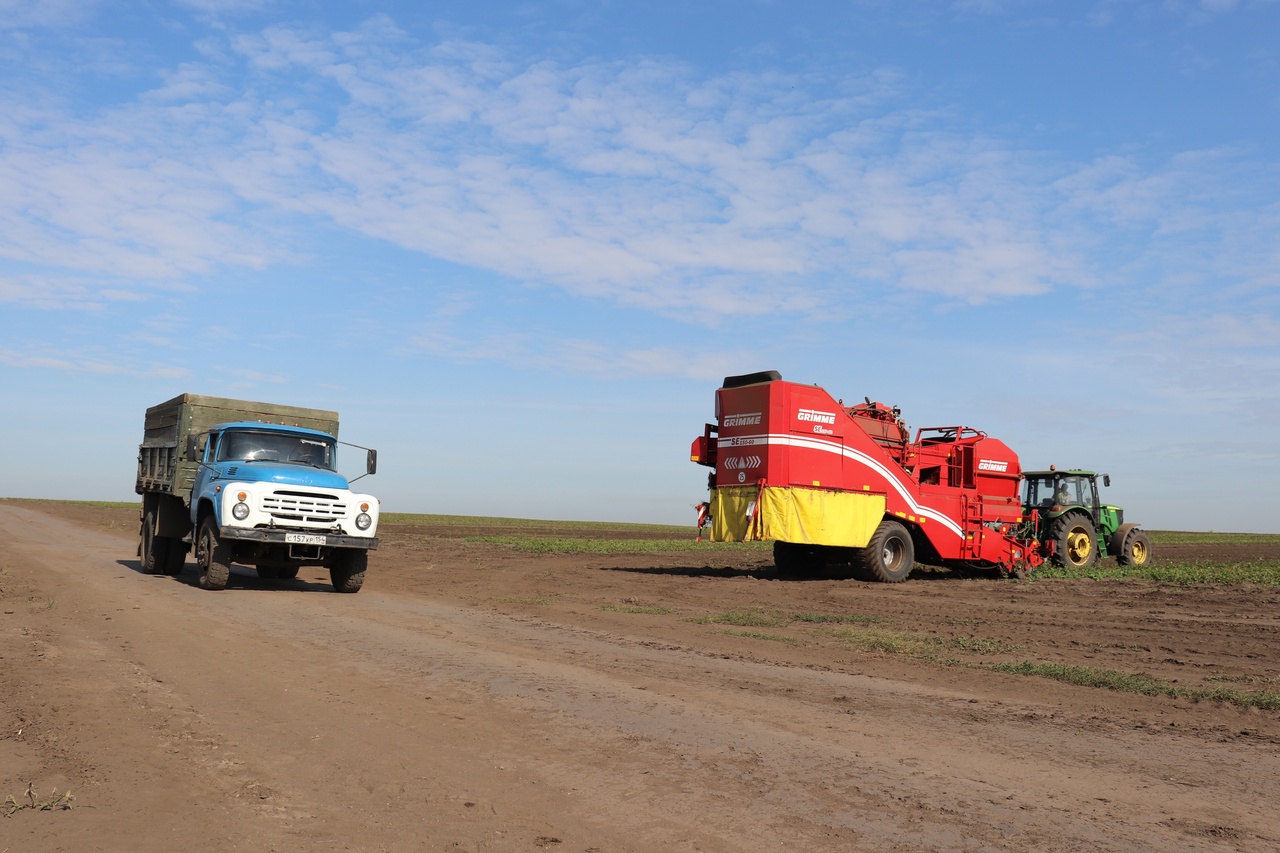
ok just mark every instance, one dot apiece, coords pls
pixel 747 419
pixel 816 416
pixel 738 463
pixel 992 465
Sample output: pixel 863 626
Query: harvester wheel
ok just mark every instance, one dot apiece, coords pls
pixel 1075 541
pixel 347 570
pixel 1136 550
pixel 153 550
pixel 790 558
pixel 213 558
pixel 888 557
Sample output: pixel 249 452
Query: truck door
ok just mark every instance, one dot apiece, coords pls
pixel 204 454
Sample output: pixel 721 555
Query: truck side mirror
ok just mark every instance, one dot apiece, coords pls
pixel 192 444
pixel 371 463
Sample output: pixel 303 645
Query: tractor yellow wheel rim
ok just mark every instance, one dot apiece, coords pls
pixel 1139 553
pixel 1079 547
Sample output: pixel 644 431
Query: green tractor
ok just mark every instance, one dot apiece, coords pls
pixel 1074 526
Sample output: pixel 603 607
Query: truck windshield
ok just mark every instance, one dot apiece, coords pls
pixel 256 446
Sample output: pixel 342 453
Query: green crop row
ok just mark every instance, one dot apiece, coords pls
pixel 1265 572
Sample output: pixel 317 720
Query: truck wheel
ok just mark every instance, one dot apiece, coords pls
pixel 176 559
pixel 212 557
pixel 347 570
pixel 153 550
pixel 1136 550
pixel 888 556
pixel 1075 541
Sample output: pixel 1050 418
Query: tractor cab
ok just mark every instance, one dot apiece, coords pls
pixel 1052 492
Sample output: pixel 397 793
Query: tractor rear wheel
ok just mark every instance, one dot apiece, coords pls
pixel 889 555
pixel 1075 541
pixel 1136 550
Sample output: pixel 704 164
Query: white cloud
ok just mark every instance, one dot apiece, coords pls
pixel 638 182
pixel 24 14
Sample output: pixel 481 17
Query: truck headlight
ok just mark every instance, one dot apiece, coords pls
pixel 240 511
pixel 363 521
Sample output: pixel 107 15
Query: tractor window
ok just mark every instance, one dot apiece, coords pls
pixel 1039 492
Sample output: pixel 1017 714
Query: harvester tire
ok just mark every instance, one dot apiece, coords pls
pixel 153 550
pixel 889 555
pixel 1136 550
pixel 1075 541
pixel 790 558
pixel 347 570
pixel 213 557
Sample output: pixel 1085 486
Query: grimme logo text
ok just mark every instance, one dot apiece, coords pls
pixel 816 416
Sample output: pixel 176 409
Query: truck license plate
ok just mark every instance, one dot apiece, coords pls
pixel 305 539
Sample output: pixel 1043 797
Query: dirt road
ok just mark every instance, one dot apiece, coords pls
pixel 472 698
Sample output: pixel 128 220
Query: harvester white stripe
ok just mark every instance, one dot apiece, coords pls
pixel 858 456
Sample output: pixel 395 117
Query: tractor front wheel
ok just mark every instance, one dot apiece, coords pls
pixel 1075 541
pixel 889 555
pixel 1136 550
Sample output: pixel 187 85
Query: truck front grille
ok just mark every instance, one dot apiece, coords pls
pixel 304 507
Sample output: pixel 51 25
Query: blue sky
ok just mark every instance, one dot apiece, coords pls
pixel 518 245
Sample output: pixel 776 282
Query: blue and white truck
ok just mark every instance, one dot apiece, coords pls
pixel 250 483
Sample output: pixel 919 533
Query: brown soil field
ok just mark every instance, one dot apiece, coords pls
pixel 477 697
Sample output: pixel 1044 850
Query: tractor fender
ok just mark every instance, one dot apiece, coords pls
pixel 1115 542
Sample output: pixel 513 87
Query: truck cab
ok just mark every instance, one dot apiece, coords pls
pixel 269 495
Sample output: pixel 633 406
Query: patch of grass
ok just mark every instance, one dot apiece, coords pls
pixel 637 608
pixel 981 646
pixel 918 646
pixel 1243 679
pixel 746 617
pixel 836 618
pixel 885 642
pixel 1263 572
pixel 760 635
pixel 579 545
pixel 1107 679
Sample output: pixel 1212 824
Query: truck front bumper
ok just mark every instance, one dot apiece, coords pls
pixel 299 537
